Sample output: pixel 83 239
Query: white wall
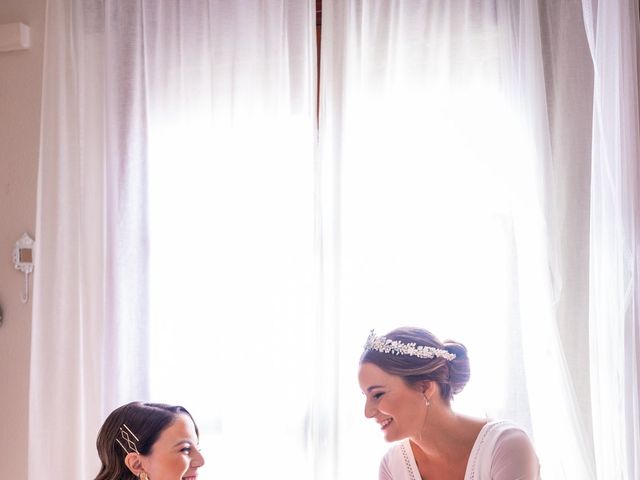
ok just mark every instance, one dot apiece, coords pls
pixel 20 89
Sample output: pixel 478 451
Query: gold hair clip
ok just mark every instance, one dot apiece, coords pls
pixel 126 437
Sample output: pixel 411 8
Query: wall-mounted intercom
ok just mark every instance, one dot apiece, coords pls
pixel 23 261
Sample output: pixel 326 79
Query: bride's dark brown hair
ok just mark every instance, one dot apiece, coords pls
pixel 450 375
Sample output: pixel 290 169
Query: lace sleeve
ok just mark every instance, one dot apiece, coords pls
pixel 385 472
pixel 514 457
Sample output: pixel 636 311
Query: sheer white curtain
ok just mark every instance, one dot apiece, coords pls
pixel 613 31
pixel 569 82
pixel 437 172
pixel 89 326
pixel 231 139
pixel 198 116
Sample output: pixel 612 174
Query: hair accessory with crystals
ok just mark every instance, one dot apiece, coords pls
pixel 126 434
pixel 396 347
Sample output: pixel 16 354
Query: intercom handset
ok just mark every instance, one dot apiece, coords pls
pixel 23 261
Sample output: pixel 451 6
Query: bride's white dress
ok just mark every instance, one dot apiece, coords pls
pixel 502 451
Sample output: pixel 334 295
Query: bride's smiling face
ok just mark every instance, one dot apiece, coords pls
pixel 398 408
pixel 175 455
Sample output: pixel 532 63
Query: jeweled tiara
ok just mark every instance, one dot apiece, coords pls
pixel 396 347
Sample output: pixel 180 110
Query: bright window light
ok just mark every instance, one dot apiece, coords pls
pixel 232 284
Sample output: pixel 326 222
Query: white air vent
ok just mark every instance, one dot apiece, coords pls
pixel 14 36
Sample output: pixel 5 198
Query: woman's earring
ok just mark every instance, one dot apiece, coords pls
pixel 426 401
pixel 143 476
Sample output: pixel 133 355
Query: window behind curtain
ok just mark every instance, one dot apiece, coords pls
pixel 232 134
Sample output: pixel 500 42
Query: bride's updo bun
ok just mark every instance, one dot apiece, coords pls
pixel 450 375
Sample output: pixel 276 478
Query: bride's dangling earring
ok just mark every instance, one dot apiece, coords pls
pixel 426 414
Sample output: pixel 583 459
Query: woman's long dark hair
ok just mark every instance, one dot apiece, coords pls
pixel 147 421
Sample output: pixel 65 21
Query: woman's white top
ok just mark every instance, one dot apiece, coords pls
pixel 502 451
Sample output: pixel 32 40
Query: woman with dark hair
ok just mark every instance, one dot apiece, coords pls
pixel 409 378
pixel 149 441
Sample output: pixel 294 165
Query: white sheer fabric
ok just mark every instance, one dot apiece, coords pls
pixel 442 197
pixel 215 102
pixel 90 300
pixel 613 31
pixel 569 81
pixel 436 163
pixel 231 137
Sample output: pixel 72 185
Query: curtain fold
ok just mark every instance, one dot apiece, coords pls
pixel 537 235
pixel 233 260
pixel 569 82
pixel 613 31
pixel 89 326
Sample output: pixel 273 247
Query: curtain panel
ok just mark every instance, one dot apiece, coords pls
pixel 233 251
pixel 613 33
pixel 90 297
pixel 176 207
